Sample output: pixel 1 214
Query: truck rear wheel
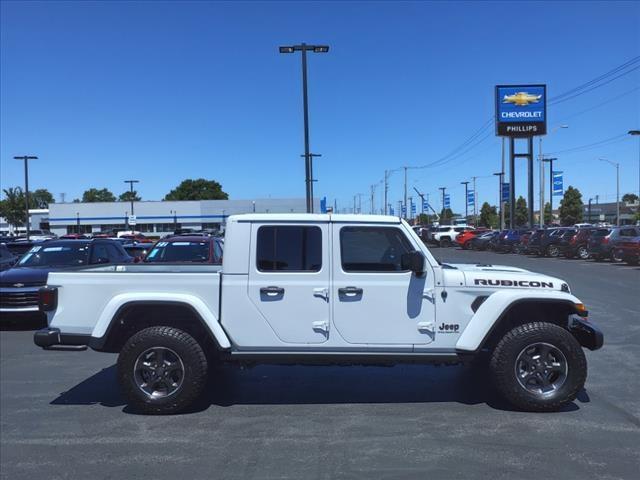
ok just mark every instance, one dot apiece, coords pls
pixel 162 370
pixel 538 367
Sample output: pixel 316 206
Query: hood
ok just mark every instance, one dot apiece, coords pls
pixel 503 276
pixel 28 276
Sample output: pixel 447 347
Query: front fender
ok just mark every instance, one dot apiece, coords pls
pixel 119 301
pixel 493 308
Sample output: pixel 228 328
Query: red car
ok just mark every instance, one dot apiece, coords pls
pixel 628 250
pixel 464 239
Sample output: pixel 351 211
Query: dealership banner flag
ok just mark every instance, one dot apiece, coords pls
pixel 471 198
pixel 447 201
pixel 558 189
pixel 505 191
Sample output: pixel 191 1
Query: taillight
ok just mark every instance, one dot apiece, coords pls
pixel 573 240
pixel 47 299
pixel 605 240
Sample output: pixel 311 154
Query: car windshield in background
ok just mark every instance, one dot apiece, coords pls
pixel 67 255
pixel 187 251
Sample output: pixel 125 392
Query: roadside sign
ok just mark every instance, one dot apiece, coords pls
pixel 132 220
pixel 521 110
pixel 471 198
pixel 447 201
pixel 413 208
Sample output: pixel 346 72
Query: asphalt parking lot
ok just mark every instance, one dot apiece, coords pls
pixel 62 416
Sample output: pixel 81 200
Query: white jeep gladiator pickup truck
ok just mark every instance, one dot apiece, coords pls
pixel 321 289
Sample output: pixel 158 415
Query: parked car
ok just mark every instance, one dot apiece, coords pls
pixel 628 250
pixel 41 235
pixel 20 246
pixel 482 241
pixel 74 236
pixel 19 285
pixel 557 242
pixel 322 289
pixel 7 259
pixel 602 247
pixel 578 244
pixel 445 235
pixel 464 239
pixel 186 249
pixel 507 241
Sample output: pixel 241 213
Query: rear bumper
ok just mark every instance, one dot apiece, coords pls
pixel 589 335
pixel 49 337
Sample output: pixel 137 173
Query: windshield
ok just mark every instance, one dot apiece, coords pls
pixel 187 251
pixel 67 255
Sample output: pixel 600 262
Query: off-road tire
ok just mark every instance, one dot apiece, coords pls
pixel 191 355
pixel 502 366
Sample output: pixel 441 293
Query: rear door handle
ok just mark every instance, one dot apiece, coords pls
pixel 272 291
pixel 350 291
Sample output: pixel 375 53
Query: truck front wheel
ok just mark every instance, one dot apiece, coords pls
pixel 539 367
pixel 161 370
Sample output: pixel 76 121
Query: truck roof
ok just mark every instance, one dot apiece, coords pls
pixel 313 217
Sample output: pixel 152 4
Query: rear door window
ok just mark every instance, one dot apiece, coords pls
pixel 289 249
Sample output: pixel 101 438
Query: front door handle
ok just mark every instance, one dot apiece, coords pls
pixel 350 291
pixel 272 291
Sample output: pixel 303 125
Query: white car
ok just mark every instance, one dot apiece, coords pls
pixel 321 289
pixel 444 236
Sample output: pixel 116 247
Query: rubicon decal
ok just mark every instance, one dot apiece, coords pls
pixel 513 283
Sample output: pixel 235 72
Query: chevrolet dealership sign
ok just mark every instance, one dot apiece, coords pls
pixel 521 110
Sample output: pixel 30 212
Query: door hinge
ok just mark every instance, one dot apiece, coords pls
pixel 426 327
pixel 321 325
pixel 322 293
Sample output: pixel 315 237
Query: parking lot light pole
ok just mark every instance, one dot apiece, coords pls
pixel 78 222
pixel 26 159
pixel 637 134
pixel 131 182
pixel 304 48
pixel 501 217
pixel 550 161
pixel 466 200
pixel 617 165
pixel 540 158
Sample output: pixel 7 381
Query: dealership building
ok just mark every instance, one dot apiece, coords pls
pixel 156 216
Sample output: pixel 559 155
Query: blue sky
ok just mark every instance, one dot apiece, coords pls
pixel 105 91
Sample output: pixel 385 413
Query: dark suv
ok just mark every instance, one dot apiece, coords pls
pixel 603 246
pixel 550 243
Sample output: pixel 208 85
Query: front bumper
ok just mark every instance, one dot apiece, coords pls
pixel 50 337
pixel 589 335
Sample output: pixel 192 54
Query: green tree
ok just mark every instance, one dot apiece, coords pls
pixel 629 197
pixel 571 207
pixel 488 215
pixel 548 215
pixel 199 189
pixel 521 215
pixel 12 208
pixel 40 198
pixel 128 196
pixel 94 195
pixel 446 214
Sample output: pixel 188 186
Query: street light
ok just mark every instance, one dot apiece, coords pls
pixel 617 165
pixel 637 134
pixel 466 200
pixel 304 48
pixel 26 159
pixel 540 158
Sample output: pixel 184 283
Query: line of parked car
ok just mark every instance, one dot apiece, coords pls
pixel 584 241
pixel 25 270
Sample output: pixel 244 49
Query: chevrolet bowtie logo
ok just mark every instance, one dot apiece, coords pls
pixel 18 285
pixel 521 99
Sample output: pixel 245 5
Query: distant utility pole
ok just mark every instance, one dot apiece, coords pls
pixel 26 159
pixel 304 48
pixel 500 175
pixel 421 195
pixel 405 192
pixel 466 200
pixel 62 195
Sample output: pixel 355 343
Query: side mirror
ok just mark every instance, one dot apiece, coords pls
pixel 413 261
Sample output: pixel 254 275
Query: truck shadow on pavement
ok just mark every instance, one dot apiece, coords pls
pixel 300 385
